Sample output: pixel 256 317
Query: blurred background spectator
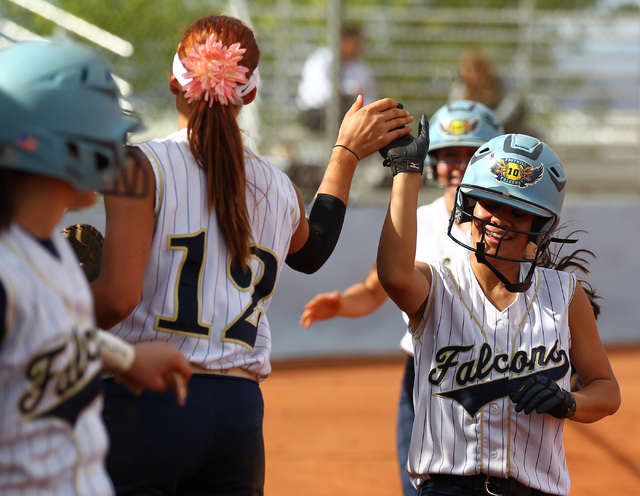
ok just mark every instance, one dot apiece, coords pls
pixel 480 80
pixel 356 78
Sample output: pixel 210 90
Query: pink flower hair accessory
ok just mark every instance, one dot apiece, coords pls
pixel 212 71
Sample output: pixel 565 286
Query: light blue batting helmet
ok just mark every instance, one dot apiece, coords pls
pixel 61 114
pixel 519 171
pixel 460 123
pixel 463 123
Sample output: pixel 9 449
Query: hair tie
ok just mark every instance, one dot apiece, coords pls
pixel 212 70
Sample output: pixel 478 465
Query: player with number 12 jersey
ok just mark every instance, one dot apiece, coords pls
pixel 186 250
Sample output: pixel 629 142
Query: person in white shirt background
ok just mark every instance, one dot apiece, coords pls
pixel 356 78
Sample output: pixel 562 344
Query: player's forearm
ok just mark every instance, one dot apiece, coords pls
pixel 118 289
pixel 112 305
pixel 339 175
pixel 396 251
pixel 360 300
pixel 317 236
pixel 364 130
pixel 597 400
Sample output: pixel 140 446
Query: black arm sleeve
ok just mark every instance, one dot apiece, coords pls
pixel 326 216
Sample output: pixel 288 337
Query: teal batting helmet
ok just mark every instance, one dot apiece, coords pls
pixel 461 123
pixel 61 114
pixel 523 173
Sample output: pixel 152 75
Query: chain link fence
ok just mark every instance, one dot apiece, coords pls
pixel 577 71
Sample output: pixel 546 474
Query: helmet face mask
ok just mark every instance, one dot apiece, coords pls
pixel 62 115
pixel 449 164
pixel 520 172
pixel 538 235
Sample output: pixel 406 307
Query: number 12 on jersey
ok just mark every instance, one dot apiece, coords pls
pixel 187 318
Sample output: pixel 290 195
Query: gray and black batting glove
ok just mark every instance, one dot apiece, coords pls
pixel 405 140
pixel 407 154
pixel 543 395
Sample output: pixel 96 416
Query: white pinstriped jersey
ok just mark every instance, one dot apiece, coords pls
pixel 468 357
pixel 433 245
pixel 191 297
pixel 52 438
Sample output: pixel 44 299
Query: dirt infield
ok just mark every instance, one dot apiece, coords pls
pixel 330 429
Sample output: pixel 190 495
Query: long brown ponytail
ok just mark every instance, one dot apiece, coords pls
pixel 216 141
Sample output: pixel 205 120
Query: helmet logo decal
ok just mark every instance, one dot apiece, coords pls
pixel 458 127
pixel 514 171
pixel 27 143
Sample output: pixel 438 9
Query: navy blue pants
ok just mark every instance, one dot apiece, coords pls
pixel 404 425
pixel 211 446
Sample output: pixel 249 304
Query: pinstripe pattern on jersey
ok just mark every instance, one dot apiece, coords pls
pixel 158 171
pixel 433 245
pixel 189 286
pixel 52 439
pixel 468 353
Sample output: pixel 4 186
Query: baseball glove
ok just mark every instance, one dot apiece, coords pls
pixel 87 242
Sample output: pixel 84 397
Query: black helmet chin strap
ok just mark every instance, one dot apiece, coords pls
pixel 515 287
pixel 512 287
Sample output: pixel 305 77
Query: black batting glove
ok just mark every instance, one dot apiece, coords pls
pixel 544 396
pixel 407 154
pixel 405 140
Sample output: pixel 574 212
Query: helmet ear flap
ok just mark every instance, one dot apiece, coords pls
pixel 544 226
pixel 463 207
pixel 538 224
